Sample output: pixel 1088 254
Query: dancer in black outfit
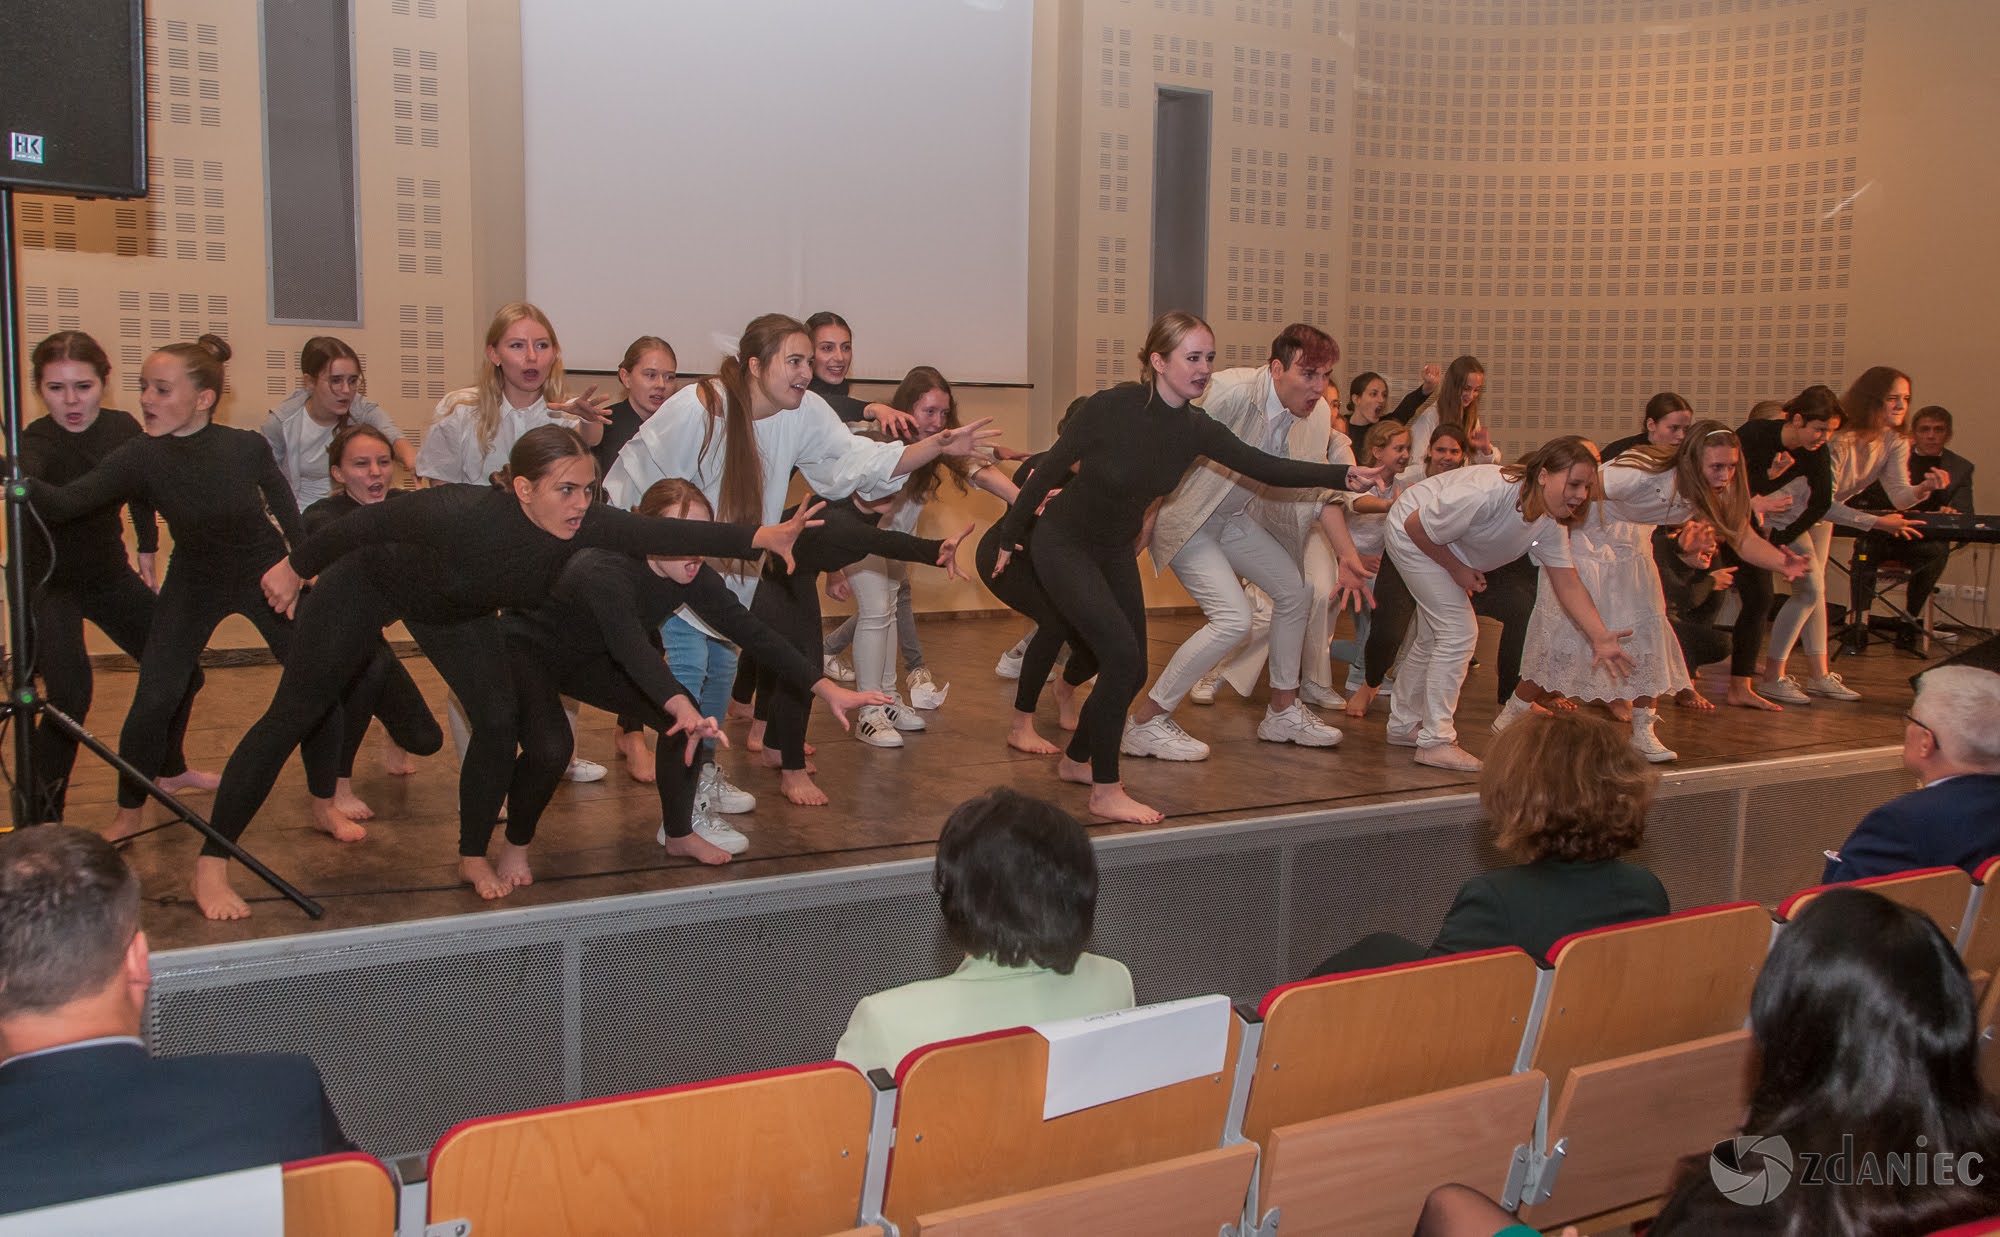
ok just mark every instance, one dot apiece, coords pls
pixel 220 490
pixel 360 459
pixel 787 599
pixel 79 570
pixel 593 641
pixel 444 560
pixel 1785 459
pixel 1130 445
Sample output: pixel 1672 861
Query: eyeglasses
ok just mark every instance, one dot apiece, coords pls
pixel 1911 718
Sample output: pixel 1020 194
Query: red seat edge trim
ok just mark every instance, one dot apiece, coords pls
pixel 1784 911
pixel 1264 1006
pixel 1555 950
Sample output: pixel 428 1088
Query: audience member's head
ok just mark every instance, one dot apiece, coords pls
pixel 1566 786
pixel 1016 880
pixel 73 963
pixel 1867 1030
pixel 1954 725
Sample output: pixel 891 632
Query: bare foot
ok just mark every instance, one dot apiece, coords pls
pixel 476 872
pixel 1021 737
pixel 1112 803
pixel 754 741
pixel 698 848
pixel 512 865
pixel 1620 710
pixel 329 819
pixel 1068 711
pixel 212 892
pixel 1554 703
pixel 395 761
pixel 799 787
pixel 1691 698
pixel 127 822
pixel 193 779
pixel 737 712
pixel 349 804
pixel 1073 771
pixel 1743 696
pixel 1359 699
pixel 636 747
pixel 776 760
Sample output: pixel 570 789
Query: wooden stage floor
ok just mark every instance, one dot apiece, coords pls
pixel 597 839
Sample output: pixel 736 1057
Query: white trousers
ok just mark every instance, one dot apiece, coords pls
pixel 1804 612
pixel 1439 654
pixel 1211 566
pixel 876 581
pixel 1242 667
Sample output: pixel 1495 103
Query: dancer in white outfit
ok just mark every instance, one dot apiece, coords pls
pixel 1612 551
pixel 1444 534
pixel 1455 402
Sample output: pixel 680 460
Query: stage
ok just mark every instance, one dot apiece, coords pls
pixel 597 839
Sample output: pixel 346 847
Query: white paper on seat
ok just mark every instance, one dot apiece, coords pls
pixel 249 1203
pixel 1104 1057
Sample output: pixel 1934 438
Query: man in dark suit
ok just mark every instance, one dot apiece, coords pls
pixel 1930 430
pixel 1951 740
pixel 84 1110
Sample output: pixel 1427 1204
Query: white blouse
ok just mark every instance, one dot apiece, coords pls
pixel 450 451
pixel 1471 511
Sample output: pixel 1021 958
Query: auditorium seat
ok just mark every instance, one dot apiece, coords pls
pixel 1942 894
pixel 1343 1042
pixel 1979 944
pixel 969 1125
pixel 347 1195
pixel 1367 1172
pixel 1190 1196
pixel 769 1154
pixel 1977 1228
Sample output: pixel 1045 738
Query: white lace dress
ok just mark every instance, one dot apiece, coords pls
pixel 1613 554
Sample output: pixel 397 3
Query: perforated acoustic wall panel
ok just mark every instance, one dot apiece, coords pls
pixel 419 1025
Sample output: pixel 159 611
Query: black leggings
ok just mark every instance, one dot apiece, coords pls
pixel 1508 599
pixel 385 690
pixel 122 607
pixel 546 739
pixel 789 605
pixel 1022 592
pixel 1094 591
pixel 190 606
pixel 341 622
pixel 1753 620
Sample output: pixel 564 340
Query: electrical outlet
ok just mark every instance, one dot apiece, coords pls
pixel 1947 592
pixel 1974 593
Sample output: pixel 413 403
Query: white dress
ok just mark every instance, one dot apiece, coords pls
pixel 1613 555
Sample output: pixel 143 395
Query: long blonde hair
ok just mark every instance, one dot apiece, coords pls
pixel 1729 509
pixel 487 397
pixel 742 489
pixel 1555 455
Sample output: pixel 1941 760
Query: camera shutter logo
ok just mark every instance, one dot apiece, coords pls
pixel 1751 1169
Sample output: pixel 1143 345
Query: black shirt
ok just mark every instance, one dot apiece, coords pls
pixel 848 408
pixel 89 550
pixel 624 424
pixel 454 552
pixel 228 506
pixel 1762 440
pixel 1129 448
pixel 847 536
pixel 1620 446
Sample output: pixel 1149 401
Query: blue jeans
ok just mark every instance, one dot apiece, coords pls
pixel 704 665
pixel 1350 651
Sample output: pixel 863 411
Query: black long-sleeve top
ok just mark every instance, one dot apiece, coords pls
pixel 1685 586
pixel 89 550
pixel 337 504
pixel 1762 440
pixel 845 406
pixel 219 489
pixel 606 604
pixel 619 430
pixel 1410 405
pixel 1128 448
pixel 847 536
pixel 459 551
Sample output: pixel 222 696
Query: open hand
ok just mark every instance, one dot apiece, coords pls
pixel 968 439
pixel 689 721
pixel 838 588
pixel 1433 374
pixel 1796 564
pixel 841 702
pixel 1000 563
pixel 1608 652
pixel 583 408
pixel 948 555
pixel 1900 526
pixel 1770 504
pixel 894 421
pixel 780 538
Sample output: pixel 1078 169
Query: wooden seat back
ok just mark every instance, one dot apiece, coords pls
pixel 1342 1042
pixel 1982 944
pixel 1626 1124
pixel 969 1124
pixel 1650 984
pixel 775 1153
pixel 1366 1173
pixel 1941 894
pixel 348 1195
pixel 1188 1196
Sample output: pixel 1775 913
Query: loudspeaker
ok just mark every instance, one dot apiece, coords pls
pixel 1982 656
pixel 73 97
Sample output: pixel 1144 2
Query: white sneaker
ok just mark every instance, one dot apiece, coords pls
pixel 720 834
pixel 1009 665
pixel 902 716
pixel 1203 691
pixel 581 770
pixel 924 691
pixel 1645 742
pixel 1832 687
pixel 1784 690
pixel 1400 738
pixel 837 668
pixel 1449 756
pixel 1513 711
pixel 1297 725
pixel 1320 697
pixel 1162 740
pixel 873 727
pixel 724 795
